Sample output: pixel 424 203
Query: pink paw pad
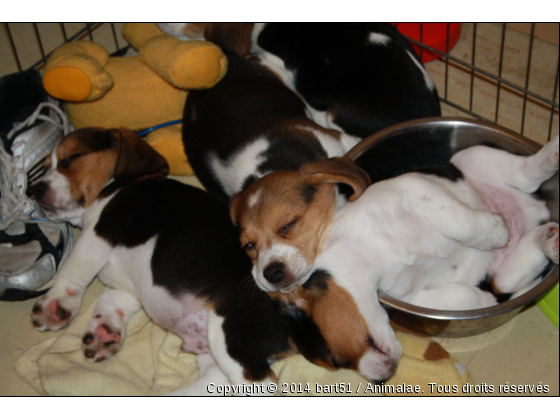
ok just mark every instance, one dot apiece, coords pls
pixel 101 343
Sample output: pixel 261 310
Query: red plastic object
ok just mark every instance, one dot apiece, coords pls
pixel 433 35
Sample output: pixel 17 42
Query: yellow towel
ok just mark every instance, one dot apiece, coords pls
pixel 152 363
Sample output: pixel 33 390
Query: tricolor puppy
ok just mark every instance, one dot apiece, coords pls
pixel 355 77
pixel 249 125
pixel 432 242
pixel 435 242
pixel 285 216
pixel 173 250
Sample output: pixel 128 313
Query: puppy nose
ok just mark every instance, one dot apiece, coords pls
pixel 274 273
pixel 38 190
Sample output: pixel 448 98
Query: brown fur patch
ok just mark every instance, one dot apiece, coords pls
pixel 338 318
pixel 231 37
pixel 279 204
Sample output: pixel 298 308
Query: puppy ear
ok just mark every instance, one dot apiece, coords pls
pixel 339 170
pixel 136 159
pixel 231 37
pixel 234 207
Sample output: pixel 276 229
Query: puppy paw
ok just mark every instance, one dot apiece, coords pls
pixel 496 234
pixel 103 338
pixel 549 242
pixel 55 310
pixel 550 153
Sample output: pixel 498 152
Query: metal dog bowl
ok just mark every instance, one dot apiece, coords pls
pixel 431 142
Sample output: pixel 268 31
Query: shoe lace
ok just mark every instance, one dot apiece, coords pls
pixel 15 205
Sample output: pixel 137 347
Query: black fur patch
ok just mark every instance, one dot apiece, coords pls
pixel 448 171
pixel 306 335
pixel 319 280
pixel 486 286
pixel 249 103
pixel 421 152
pixel 364 86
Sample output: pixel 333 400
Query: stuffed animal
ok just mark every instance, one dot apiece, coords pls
pixel 135 92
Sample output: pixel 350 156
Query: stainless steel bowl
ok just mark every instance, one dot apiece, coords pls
pixel 432 142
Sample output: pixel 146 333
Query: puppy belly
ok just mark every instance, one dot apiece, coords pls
pixel 185 316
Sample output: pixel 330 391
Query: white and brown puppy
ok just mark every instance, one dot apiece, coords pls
pixel 435 242
pixel 172 249
pixel 285 216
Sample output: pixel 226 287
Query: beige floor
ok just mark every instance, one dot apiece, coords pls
pixel 524 351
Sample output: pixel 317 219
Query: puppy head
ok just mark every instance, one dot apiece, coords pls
pixel 284 218
pixel 330 331
pixel 84 162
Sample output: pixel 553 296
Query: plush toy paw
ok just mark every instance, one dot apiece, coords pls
pixel 76 72
pixel 186 65
pixel 200 67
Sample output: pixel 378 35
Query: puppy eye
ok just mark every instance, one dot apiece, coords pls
pixel 65 163
pixel 249 247
pixel 287 227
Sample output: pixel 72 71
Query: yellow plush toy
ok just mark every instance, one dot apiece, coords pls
pixel 135 92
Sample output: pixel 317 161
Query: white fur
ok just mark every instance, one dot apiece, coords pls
pixel 430 241
pixel 429 82
pixel 379 39
pixel 289 255
pixel 233 172
pixel 254 199
pixel 333 146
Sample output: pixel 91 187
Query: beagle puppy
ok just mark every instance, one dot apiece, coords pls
pixel 285 216
pixel 249 125
pixel 354 77
pixel 457 243
pixel 172 249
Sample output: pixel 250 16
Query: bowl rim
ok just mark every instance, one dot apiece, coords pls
pixel 445 315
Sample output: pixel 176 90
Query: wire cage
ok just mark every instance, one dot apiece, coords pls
pixel 497 72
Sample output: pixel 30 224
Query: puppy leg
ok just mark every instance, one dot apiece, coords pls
pixel 453 297
pixel 235 372
pixel 529 258
pixel 526 173
pixel 453 219
pixel 62 303
pixel 210 376
pixel 105 333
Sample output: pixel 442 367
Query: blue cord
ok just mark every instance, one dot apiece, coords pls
pixel 157 127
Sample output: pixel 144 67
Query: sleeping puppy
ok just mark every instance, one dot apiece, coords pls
pixel 355 77
pixel 171 249
pixel 433 242
pixel 285 216
pixel 250 125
